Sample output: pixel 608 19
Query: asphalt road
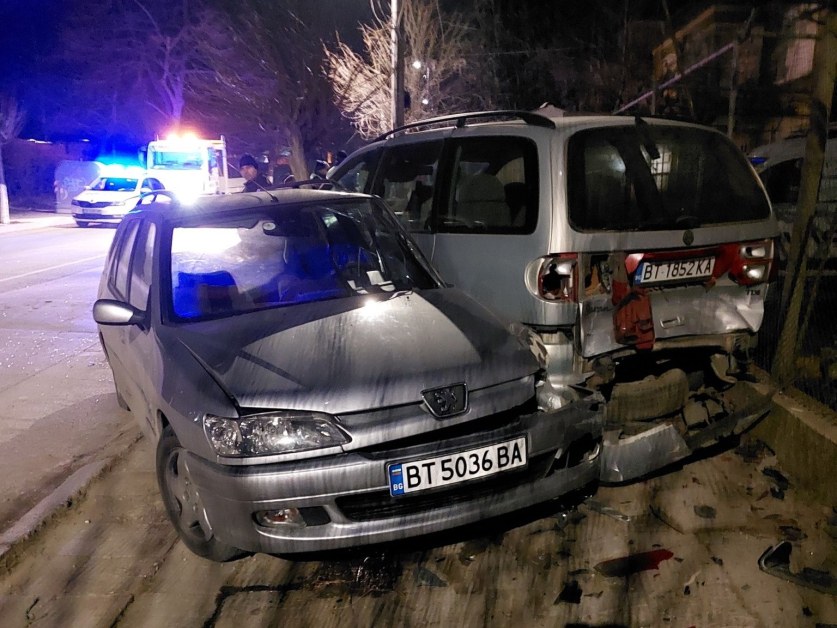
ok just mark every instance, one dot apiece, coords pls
pixel 679 549
pixel 57 407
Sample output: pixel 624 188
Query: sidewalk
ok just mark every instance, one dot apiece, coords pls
pixel 25 218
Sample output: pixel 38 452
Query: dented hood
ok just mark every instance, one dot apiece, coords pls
pixel 354 354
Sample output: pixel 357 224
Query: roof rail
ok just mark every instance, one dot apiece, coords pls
pixel 461 120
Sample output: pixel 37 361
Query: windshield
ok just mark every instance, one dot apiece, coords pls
pixel 652 177
pixel 115 184
pixel 288 255
pixel 176 160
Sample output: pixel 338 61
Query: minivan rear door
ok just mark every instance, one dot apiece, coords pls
pixel 674 234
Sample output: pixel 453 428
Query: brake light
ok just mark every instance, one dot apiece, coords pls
pixel 557 277
pixel 752 262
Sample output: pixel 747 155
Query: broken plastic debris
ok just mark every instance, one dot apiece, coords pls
pixel 599 507
pixel 776 561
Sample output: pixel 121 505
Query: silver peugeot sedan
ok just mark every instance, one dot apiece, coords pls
pixel 310 383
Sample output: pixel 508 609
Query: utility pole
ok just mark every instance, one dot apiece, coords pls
pixel 824 74
pixel 397 81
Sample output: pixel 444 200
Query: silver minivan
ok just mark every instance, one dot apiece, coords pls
pixel 640 250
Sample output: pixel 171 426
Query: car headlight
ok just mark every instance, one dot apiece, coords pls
pixel 280 432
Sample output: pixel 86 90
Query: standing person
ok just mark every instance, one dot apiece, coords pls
pixel 320 169
pixel 254 180
pixel 282 172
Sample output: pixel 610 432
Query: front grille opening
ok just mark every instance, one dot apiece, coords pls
pixel 484 425
pixel 381 505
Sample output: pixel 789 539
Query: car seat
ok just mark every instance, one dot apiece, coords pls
pixel 482 198
pixel 200 294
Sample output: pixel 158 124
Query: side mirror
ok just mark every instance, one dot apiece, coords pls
pixel 111 312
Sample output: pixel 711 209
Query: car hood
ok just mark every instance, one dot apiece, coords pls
pixel 106 196
pixel 355 354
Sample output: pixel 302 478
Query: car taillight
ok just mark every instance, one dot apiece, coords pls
pixel 557 278
pixel 752 262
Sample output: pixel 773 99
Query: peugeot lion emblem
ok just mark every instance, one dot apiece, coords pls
pixel 446 401
pixel 688 237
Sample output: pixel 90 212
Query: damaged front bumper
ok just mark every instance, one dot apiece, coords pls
pixel 627 457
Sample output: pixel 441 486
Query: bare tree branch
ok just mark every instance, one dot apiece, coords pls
pixel 439 44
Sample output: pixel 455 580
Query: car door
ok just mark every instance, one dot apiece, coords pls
pixel 132 348
pixel 407 179
pixel 486 221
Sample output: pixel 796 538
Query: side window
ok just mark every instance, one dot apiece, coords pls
pixel 141 266
pixel 494 187
pixel 782 181
pixel 119 275
pixel 407 180
pixel 356 174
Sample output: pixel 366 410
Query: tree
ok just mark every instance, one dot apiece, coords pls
pixel 578 56
pixel 129 63
pixel 260 72
pixel 440 68
pixel 12 118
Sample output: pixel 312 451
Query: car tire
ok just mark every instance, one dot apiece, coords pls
pixel 183 503
pixel 83 223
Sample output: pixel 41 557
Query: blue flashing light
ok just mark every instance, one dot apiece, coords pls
pixel 122 170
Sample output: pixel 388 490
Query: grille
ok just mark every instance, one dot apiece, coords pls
pixel 381 505
pixel 98 204
pixel 487 428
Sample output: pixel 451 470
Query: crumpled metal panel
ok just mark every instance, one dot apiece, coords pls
pixel 676 312
pixel 634 456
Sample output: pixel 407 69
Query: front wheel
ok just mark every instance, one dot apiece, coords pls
pixel 83 223
pixel 183 502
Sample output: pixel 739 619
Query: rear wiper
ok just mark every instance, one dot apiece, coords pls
pixel 644 130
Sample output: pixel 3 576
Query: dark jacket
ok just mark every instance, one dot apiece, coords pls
pixel 257 184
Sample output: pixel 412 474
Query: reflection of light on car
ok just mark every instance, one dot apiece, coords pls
pixel 187 196
pixel 371 310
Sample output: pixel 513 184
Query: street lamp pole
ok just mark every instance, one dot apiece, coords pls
pixel 397 81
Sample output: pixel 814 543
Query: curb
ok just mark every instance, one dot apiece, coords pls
pixel 803 434
pixel 24 220
pixel 64 495
pixel 61 496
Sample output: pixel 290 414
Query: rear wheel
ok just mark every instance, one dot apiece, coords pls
pixel 183 502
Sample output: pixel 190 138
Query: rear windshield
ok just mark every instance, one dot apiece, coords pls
pixel 284 256
pixel 649 177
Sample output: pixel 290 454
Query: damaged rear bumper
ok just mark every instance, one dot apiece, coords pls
pixel 628 457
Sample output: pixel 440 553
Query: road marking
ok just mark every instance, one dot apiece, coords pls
pixel 43 270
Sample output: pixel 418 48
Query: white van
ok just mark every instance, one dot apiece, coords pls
pixel 638 251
